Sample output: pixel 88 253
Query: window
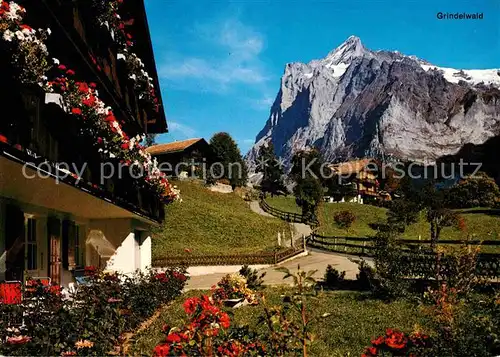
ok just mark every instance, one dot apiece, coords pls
pixel 31 245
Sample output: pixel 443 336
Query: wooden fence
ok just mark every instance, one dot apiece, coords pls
pixel 364 245
pixel 420 261
pixel 232 259
pixel 286 216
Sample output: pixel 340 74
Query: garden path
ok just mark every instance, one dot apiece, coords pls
pixel 299 229
pixel 315 260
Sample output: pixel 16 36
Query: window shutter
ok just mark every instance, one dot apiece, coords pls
pixel 65 243
pixel 71 245
pixel 68 245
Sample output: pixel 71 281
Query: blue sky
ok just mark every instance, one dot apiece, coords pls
pixel 220 62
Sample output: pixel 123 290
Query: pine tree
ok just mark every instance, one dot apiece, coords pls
pixel 271 169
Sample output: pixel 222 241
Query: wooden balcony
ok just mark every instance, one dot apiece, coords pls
pixel 43 134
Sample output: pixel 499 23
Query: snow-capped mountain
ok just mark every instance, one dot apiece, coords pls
pixel 356 102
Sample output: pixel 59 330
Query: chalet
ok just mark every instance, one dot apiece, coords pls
pixel 182 158
pixel 361 178
pixel 72 115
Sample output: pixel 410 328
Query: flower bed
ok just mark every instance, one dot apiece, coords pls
pixel 233 287
pixel 91 320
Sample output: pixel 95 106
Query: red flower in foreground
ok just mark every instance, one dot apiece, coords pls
pixel 370 352
pixel 224 320
pixel 396 340
pixel 161 350
pixel 378 341
pixel 76 111
pixel 173 338
pixel 3 139
pixel 62 67
pixel 191 304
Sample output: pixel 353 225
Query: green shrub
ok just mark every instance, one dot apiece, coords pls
pixel 366 276
pixel 474 191
pixel 344 219
pixel 254 280
pixel 333 278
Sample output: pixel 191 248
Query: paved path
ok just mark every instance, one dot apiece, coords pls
pixel 316 260
pixel 299 229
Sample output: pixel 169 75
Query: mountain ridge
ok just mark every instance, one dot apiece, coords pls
pixel 357 102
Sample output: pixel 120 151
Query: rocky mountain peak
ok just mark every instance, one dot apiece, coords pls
pixel 356 102
pixel 346 52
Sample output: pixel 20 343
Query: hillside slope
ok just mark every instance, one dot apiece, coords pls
pixel 208 222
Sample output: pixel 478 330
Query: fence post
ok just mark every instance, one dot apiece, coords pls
pixel 304 244
pixel 335 243
pixel 275 258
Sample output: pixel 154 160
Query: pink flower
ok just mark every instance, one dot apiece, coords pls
pixel 70 72
pixel 112 300
pixel 62 67
pixel 18 340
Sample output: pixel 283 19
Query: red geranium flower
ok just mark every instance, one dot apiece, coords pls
pixel 70 72
pixel 124 146
pixel 83 87
pixel 370 352
pixel 378 341
pixel 161 350
pixel 173 338
pixel 3 139
pixel 396 340
pixel 224 320
pixel 190 305
pixel 62 67
pixel 76 111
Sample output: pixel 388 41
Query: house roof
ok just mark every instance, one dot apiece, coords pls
pixel 172 147
pixel 350 167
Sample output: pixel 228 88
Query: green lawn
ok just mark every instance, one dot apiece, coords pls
pixel 213 223
pixel 483 223
pixel 355 320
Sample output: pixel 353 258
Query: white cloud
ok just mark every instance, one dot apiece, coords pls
pixel 232 57
pixel 185 130
pixel 263 103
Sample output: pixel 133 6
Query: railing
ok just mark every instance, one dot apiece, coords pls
pixel 265 258
pixel 286 216
pixel 364 245
pixel 420 263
